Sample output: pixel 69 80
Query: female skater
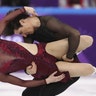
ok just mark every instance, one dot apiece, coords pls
pixel 17 56
pixel 14 57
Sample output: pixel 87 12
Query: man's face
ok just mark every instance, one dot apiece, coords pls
pixel 29 25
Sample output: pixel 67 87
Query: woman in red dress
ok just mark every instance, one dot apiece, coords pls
pixel 17 56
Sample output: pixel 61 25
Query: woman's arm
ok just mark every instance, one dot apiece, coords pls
pixel 10 16
pixel 64 31
pixel 13 14
pixel 29 83
pixel 16 81
pixel 17 12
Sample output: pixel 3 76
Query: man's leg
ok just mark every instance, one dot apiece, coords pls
pixel 32 91
pixel 56 88
pixel 48 90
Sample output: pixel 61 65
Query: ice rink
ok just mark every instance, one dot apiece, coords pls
pixel 85 86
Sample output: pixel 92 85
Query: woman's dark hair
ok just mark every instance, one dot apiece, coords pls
pixel 14 24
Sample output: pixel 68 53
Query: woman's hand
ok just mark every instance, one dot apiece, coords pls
pixel 31 11
pixel 52 78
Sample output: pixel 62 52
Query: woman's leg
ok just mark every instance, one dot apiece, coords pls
pixel 60 47
pixel 85 42
pixel 76 69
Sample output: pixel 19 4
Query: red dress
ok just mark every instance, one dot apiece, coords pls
pixel 14 58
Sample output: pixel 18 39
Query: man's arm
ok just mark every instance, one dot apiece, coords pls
pixel 29 83
pixel 65 31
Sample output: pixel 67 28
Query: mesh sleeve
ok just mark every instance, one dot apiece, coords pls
pixel 64 31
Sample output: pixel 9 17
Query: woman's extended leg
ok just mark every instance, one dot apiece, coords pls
pixel 85 42
pixel 76 69
pixel 60 47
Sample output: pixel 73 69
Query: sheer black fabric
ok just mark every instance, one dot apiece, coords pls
pixel 52 29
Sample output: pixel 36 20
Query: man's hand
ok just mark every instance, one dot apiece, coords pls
pixel 52 78
pixel 31 11
pixel 31 69
pixel 67 59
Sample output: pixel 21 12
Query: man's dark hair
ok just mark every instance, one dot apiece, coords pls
pixel 14 24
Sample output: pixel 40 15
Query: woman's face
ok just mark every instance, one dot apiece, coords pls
pixel 29 25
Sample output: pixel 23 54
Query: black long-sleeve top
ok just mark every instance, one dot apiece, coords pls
pixel 52 29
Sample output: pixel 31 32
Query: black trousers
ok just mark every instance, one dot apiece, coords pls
pixel 48 90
